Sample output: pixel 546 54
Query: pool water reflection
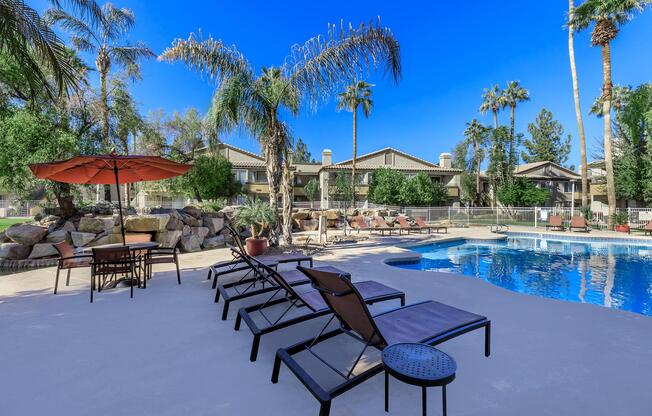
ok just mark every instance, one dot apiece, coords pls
pixel 617 276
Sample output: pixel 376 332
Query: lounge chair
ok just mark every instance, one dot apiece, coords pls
pixel 404 225
pixel 358 223
pixel 237 264
pixel 427 322
pixel 555 223
pixel 381 225
pixel 258 284
pixel 423 226
pixel 578 222
pixel 302 297
pixel 648 228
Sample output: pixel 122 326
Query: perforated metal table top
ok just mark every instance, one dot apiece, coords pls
pixel 419 364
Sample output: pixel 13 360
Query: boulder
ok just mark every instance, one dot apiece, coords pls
pixel 100 241
pixel 186 230
pixel 202 232
pixel 58 236
pixel 26 234
pixel 69 226
pixel 315 215
pixel 175 223
pixel 213 224
pixel 4 238
pixel 41 250
pixel 333 215
pixel 194 211
pixel 168 239
pixel 189 220
pixel 115 238
pixel 212 242
pixel 303 214
pixel 150 222
pixel 80 239
pixel 308 225
pixel 14 251
pixel 228 212
pixel 190 243
pixel 95 224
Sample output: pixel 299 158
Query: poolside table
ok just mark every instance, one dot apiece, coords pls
pixel 137 250
pixel 418 365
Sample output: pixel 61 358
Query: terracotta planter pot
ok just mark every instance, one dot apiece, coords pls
pixel 256 246
pixel 622 228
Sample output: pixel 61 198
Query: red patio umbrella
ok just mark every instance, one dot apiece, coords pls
pixel 109 169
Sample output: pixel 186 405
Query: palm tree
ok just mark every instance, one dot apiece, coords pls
pixel 26 38
pixel 477 136
pixel 103 35
pixel 492 99
pixel 310 74
pixel 512 96
pixel 578 109
pixel 607 16
pixel 356 94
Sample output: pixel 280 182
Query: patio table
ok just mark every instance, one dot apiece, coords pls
pixel 136 249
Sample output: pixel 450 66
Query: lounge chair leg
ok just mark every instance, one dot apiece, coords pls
pixel 443 398
pixel 178 273
pixel 487 340
pixel 386 391
pixel 56 281
pixel 277 369
pixel 254 348
pixel 403 300
pixel 225 310
pixel 325 408
pixel 68 278
pixel 238 319
pixel 209 273
pixel 424 401
pixel 217 295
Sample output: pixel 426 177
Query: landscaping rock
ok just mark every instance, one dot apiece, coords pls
pixel 189 219
pixel 151 222
pixel 4 238
pixel 186 230
pixel 213 224
pixel 69 226
pixel 303 214
pixel 315 215
pixel 194 211
pixel 333 215
pixel 26 234
pixel 14 251
pixel 41 250
pixel 212 242
pixel 228 212
pixel 202 232
pixel 168 239
pixel 95 224
pixel 58 236
pixel 100 241
pixel 308 225
pixel 175 223
pixel 80 239
pixel 190 243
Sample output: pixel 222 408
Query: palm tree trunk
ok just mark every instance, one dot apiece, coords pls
pixel 477 173
pixel 606 116
pixel 495 119
pixel 355 148
pixel 287 201
pixel 510 158
pixel 578 110
pixel 274 170
pixel 104 103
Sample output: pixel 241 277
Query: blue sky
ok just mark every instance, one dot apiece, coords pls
pixel 449 54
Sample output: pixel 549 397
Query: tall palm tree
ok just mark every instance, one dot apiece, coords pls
pixel 512 96
pixel 356 95
pixel 26 38
pixel 578 109
pixel 477 136
pixel 492 100
pixel 311 73
pixel 104 36
pixel 606 16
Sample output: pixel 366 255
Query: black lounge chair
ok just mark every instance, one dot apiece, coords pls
pixel 427 322
pixel 302 297
pixel 258 284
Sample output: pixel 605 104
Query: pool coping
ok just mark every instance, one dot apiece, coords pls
pixel 409 256
pixel 580 238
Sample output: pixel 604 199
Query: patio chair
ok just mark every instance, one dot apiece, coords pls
pixel 578 222
pixel 161 255
pixel 69 260
pixel 427 322
pixel 303 297
pixel 358 223
pixel 423 226
pixel 109 263
pixel 236 264
pixel 258 284
pixel 404 225
pixel 379 224
pixel 555 223
pixel 648 228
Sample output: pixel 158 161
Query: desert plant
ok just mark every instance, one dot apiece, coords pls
pixel 257 215
pixel 620 218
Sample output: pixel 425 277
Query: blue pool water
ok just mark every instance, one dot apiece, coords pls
pixel 614 275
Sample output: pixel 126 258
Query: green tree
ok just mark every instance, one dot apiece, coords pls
pixel 499 170
pixel 469 194
pixel 210 178
pixel 547 142
pixel 477 137
pixel 310 190
pixel 606 16
pixel 188 133
pixel 103 34
pixel 417 191
pixel 310 74
pixel 460 155
pixel 522 193
pixel 492 100
pixel 512 96
pixel 440 193
pixel 357 94
pixel 341 189
pixel 385 187
pixel 301 153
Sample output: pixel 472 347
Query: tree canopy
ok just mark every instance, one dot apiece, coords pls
pixel 392 187
pixel 522 193
pixel 547 141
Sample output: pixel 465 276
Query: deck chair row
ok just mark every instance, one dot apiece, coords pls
pixel 379 224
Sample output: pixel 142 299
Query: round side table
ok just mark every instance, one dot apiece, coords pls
pixel 418 365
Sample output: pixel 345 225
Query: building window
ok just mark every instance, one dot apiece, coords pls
pixel 241 176
pixel 301 180
pixel 259 176
pixel 568 187
pixel 388 158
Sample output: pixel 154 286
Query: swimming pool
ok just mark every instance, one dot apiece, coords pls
pixel 614 275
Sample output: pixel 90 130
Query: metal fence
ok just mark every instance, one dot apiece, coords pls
pixel 9 208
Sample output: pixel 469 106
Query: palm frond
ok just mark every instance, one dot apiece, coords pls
pixel 617 11
pixel 89 9
pixel 116 22
pixel 71 24
pixel 82 44
pixel 130 54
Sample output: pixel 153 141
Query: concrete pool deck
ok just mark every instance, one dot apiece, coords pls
pixel 166 352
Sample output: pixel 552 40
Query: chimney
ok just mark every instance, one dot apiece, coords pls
pixel 445 160
pixel 326 157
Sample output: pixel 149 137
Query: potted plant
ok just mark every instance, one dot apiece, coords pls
pixel 258 216
pixel 621 220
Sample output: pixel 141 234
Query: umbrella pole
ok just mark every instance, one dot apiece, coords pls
pixel 117 185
